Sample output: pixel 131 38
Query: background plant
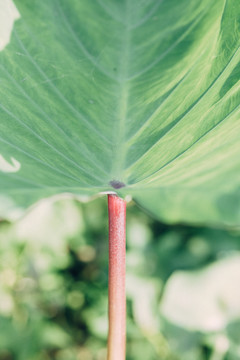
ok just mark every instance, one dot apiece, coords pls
pixel 133 96
pixel 54 286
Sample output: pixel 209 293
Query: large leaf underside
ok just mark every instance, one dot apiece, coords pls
pixel 97 94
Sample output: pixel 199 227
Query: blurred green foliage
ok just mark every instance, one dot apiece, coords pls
pixel 53 286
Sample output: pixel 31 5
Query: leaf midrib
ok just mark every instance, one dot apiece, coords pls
pixel 119 150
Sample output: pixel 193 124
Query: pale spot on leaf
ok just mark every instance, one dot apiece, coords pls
pixel 8 14
pixel 9 167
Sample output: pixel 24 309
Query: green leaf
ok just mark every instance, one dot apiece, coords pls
pixel 97 94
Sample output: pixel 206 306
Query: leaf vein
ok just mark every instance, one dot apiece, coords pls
pixel 45 142
pixel 60 95
pixel 190 108
pixel 147 16
pixel 37 159
pixel 56 126
pixel 172 47
pixel 83 48
pixel 194 143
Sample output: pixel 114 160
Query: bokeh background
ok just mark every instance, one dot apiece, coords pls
pixel 183 286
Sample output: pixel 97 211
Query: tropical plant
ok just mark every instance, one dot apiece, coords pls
pixel 135 98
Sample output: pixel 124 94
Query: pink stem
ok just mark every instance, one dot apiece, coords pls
pixel 116 286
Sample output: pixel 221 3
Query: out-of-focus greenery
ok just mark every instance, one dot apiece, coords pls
pixel 183 293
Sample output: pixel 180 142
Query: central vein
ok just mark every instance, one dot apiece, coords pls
pixel 119 151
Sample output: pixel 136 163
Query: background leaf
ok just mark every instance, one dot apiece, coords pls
pixel 207 299
pixel 145 93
